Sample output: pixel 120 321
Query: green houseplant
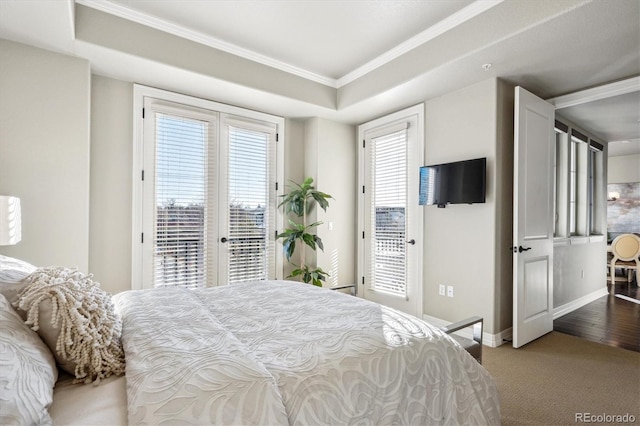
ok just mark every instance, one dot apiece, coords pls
pixel 299 202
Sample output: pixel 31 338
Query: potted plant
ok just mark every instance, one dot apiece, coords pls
pixel 300 201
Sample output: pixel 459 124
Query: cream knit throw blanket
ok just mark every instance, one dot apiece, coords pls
pixel 89 327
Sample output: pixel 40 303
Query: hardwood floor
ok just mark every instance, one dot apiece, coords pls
pixel 609 320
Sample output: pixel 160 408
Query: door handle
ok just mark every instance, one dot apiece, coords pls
pixel 520 249
pixel 412 242
pixel 223 240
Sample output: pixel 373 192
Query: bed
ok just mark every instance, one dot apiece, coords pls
pixel 277 352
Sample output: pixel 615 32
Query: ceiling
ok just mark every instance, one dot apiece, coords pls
pixel 376 55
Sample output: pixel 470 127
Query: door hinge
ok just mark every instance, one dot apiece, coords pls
pixel 362 280
pixel 277 137
pixel 276 186
pixel 142 238
pixel 363 143
pixel 276 231
pixel 143 113
pixel 363 189
pixel 143 175
pixel 363 235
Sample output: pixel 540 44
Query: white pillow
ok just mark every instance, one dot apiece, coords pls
pixel 14 270
pixel 27 372
pixel 12 275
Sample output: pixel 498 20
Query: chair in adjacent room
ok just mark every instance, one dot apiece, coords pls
pixel 625 255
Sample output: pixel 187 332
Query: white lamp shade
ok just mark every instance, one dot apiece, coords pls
pixel 10 222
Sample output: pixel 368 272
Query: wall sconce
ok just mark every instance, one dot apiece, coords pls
pixel 10 221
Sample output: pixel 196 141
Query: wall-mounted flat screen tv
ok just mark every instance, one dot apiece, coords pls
pixel 460 182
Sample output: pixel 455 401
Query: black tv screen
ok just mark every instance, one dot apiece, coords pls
pixel 461 182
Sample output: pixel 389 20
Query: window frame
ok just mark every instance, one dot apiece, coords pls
pixel 579 174
pixel 140 92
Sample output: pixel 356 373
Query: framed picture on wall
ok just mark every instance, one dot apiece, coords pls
pixel 623 209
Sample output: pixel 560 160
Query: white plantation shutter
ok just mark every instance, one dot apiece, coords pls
pixel 387 185
pixel 250 200
pixel 181 196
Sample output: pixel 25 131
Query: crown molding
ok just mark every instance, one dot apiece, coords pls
pixel 450 22
pixel 610 90
pixel 180 31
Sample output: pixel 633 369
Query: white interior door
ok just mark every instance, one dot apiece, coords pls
pixel 532 218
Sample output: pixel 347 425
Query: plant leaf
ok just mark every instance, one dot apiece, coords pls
pixel 309 240
pixel 307 183
pixel 321 199
pixel 289 247
pixel 295 273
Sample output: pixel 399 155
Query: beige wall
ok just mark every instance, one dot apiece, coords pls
pixel 624 169
pixel 460 240
pixel 293 167
pixel 111 183
pixel 503 297
pixel 330 158
pixel 44 152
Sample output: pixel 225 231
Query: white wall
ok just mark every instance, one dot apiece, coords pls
pixel 111 183
pixel 44 152
pixel 579 269
pixel 624 169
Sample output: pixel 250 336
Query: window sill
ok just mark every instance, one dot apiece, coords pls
pixel 561 241
pixel 596 238
pixel 577 240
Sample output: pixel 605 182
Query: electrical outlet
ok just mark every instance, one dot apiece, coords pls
pixel 441 290
pixel 449 291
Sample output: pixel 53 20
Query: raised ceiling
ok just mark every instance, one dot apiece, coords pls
pixel 365 58
pixel 326 39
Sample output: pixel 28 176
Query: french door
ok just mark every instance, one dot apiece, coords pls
pixel 390 220
pixel 209 208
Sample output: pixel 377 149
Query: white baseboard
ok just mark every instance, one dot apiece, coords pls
pixel 578 303
pixel 491 340
pixel 505 336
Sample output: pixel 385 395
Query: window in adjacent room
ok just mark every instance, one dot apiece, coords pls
pixel 561 180
pixel 596 187
pixel 579 177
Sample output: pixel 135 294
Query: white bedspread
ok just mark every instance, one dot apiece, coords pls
pixel 275 352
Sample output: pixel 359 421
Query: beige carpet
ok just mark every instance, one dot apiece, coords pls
pixel 550 380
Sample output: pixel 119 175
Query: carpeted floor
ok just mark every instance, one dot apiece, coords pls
pixel 552 380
